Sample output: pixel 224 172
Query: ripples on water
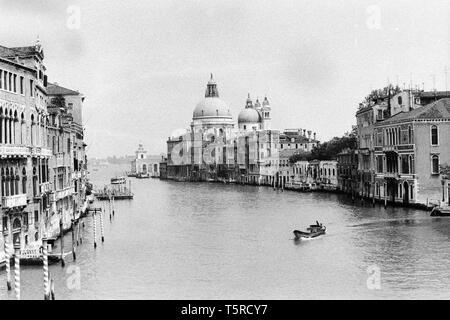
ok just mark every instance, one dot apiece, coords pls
pixel 217 241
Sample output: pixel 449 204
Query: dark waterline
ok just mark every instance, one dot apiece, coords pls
pixel 216 241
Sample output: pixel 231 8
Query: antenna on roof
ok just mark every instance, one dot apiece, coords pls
pixel 446 85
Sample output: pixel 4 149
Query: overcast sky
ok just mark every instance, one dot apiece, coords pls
pixel 143 65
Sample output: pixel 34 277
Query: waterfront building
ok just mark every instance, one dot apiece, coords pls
pixel 24 153
pixel 202 151
pixel 213 148
pixel 409 148
pixel 42 153
pixel 163 168
pixel 144 164
pixel 328 174
pixel 301 172
pixel 347 171
pixel 321 174
pixel 298 139
pixel 258 157
pixel 285 176
pixel 379 106
pixel 68 165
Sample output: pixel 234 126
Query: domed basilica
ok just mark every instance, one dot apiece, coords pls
pixel 213 148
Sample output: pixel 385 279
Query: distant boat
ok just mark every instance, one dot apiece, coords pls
pixel 118 180
pixel 142 175
pixel 117 190
pixel 314 231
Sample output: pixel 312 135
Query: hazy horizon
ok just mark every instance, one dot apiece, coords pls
pixel 143 66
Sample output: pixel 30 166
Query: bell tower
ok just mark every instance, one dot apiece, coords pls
pixel 265 115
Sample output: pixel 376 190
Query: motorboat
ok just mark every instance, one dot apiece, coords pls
pixel 313 231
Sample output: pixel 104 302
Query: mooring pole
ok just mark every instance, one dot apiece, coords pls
pixel 101 226
pixel 80 232
pixel 7 261
pixel 73 240
pixel 52 289
pixel 45 263
pixel 373 196
pixel 61 234
pixel 95 229
pixel 113 205
pixel 17 269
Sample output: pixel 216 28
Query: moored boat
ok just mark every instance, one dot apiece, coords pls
pixel 118 180
pixel 313 231
pixel 440 211
pixel 142 175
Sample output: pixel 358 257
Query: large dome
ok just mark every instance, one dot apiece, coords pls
pixel 249 115
pixel 211 107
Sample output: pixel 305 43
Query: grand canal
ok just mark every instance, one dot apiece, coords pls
pixel 217 241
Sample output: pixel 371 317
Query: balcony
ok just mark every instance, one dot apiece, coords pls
pixel 60 194
pixel 41 152
pixel 393 175
pixel 76 175
pixel 46 187
pixel 14 151
pixel 18 200
pixel 60 160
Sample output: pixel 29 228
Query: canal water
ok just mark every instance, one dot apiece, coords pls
pixel 216 241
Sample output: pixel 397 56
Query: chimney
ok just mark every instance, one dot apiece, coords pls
pixel 304 132
pixel 314 135
pixel 309 134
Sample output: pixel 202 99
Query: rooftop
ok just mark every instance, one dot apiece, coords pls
pixel 436 110
pixel 54 89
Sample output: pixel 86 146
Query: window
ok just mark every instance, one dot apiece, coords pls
pixel 5 80
pixel 21 85
pixel 434 136
pixel 434 164
pixel 31 88
pixel 1 82
pixel 399 100
pixel 15 82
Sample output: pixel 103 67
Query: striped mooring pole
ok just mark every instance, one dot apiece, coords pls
pixel 8 264
pixel 52 289
pixel 46 275
pixel 95 229
pixel 80 232
pixel 101 226
pixel 113 205
pixel 73 241
pixel 110 217
pixel 17 270
pixel 61 232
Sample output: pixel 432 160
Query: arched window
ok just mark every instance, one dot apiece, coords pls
pixel 410 135
pixel 1 123
pixel 434 136
pixel 24 180
pixel 3 182
pixel 435 164
pixel 17 224
pixel 399 100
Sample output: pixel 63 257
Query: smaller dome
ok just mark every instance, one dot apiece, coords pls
pixel 249 115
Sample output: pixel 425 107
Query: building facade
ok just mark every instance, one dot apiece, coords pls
pixel 37 139
pixel 213 148
pixel 410 149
